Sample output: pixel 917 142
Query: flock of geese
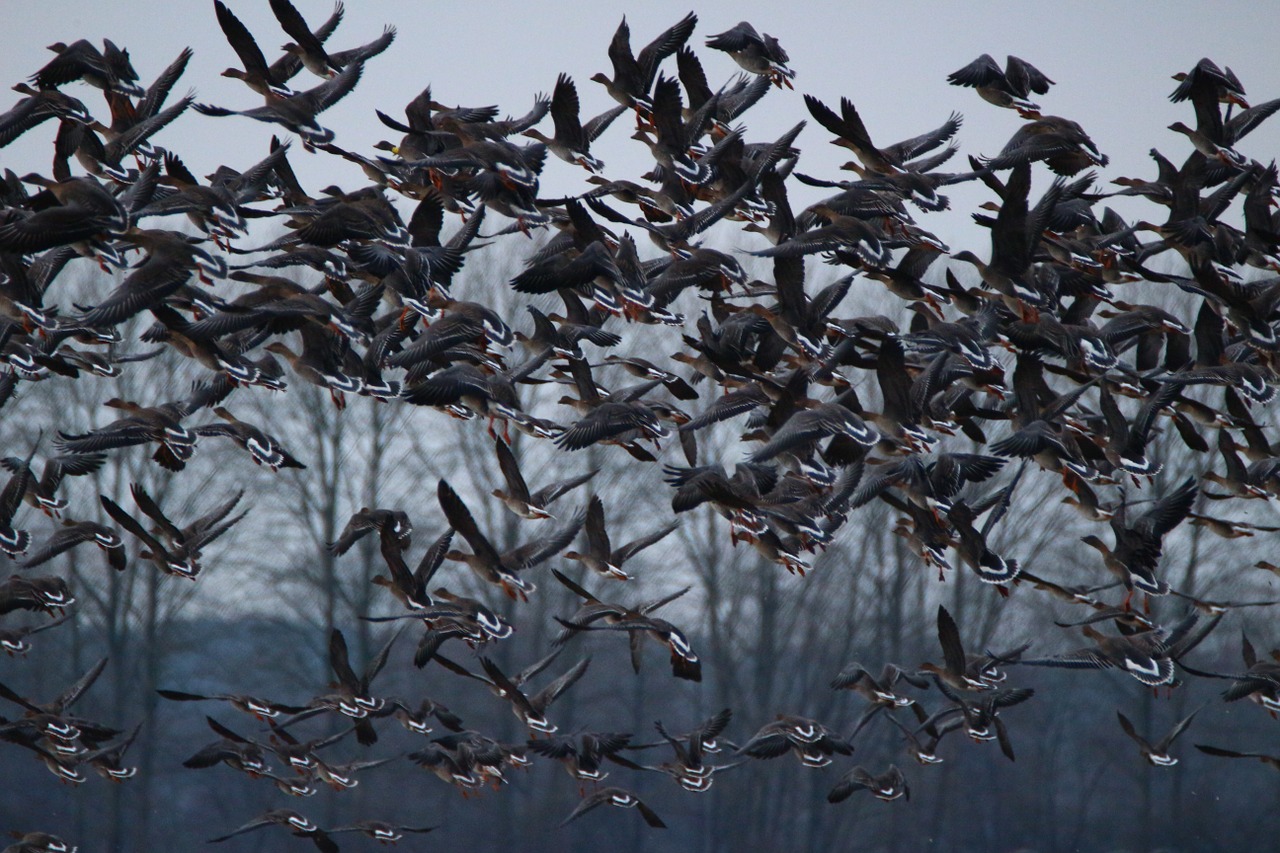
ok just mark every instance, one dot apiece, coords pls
pixel 1050 362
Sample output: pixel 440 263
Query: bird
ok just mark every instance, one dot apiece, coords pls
pixel 14 640
pixel 296 823
pixel 51 718
pixel 298 112
pixel 306 46
pixel 14 542
pixel 811 741
pixel 1157 753
pixel 108 69
pixel 485 561
pixel 351 696
pixel 1139 544
pixel 39 842
pixel 74 533
pixel 1147 655
pixel 1260 682
pixel 381 831
pixel 530 709
pixel 755 53
pixel 879 692
pixel 40 593
pixel 256 74
pixel 1005 88
pixel 233 749
pixel 392 524
pixel 633 74
pixel 690 769
pixel 41 492
pixel 1221 752
pixel 601 557
pixel 179 553
pixel 595 615
pixel 259 708
pixel 573 138
pixel 582 754
pixel 160 424
pixel 263 448
pixel 889 785
pixel 842 414
pixel 615 797
pixel 957 671
pixel 518 498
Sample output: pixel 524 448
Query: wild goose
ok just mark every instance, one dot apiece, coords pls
pixel 414 719
pixel 530 709
pixel 352 697
pixel 755 53
pixel 958 672
pixel 263 449
pixel 924 752
pixel 601 557
pixel 812 742
pixel 1138 548
pixel 107 69
pixel 260 708
pixel 1259 683
pixel 42 492
pixel 625 423
pixel 74 533
pixel 80 213
pixel 595 615
pixel 393 526
pixel 411 587
pixel 486 562
pixel 317 365
pixel 615 797
pixel 690 769
pixel 476 391
pixel 517 497
pixel 851 133
pixel 296 823
pixel 1157 753
pixel 633 75
pixel 859 679
pixel 582 754
pixel 14 640
pixel 1008 88
pixel 381 831
pixel 979 716
pixel 14 542
pixel 48 594
pixel 159 424
pixel 179 552
pixel 298 112
pixel 108 761
pixel 300 756
pixel 889 785
pixel 307 47
pixel 1148 656
pixel 1059 142
pixel 1265 758
pixel 257 75
pixel 39 842
pixel 878 692
pixel 51 718
pixel 37 107
pixel 572 140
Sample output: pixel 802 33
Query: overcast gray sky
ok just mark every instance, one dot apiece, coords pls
pixel 1112 64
